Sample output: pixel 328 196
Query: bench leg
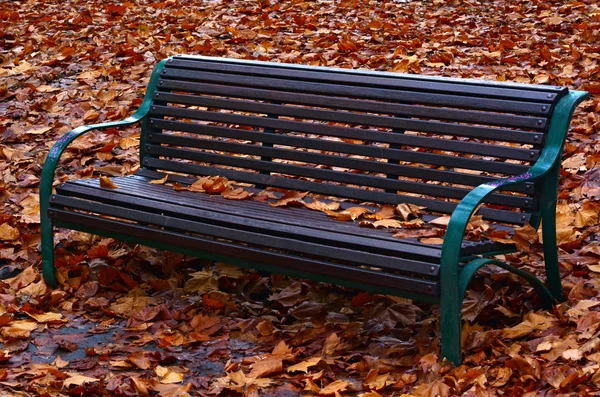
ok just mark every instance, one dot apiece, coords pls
pixel 47 243
pixel 450 320
pixel 548 213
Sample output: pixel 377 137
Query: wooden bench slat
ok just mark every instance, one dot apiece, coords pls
pixel 335 104
pixel 331 190
pixel 183 77
pixel 190 220
pixel 376 73
pixel 389 168
pixel 357 80
pixel 154 199
pixel 502 168
pixel 434 190
pixel 135 185
pixel 495 134
pixel 274 258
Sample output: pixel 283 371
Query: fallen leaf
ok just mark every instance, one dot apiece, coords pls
pixel 107 183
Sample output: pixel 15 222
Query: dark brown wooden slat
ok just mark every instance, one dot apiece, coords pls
pixel 150 200
pixel 258 210
pixel 255 209
pixel 440 113
pixel 325 174
pixel 136 186
pixel 324 115
pixel 390 168
pixel 180 222
pixel 184 77
pixel 495 134
pixel 281 260
pixel 316 158
pixel 367 72
pixel 330 190
pixel 396 81
pixel 502 168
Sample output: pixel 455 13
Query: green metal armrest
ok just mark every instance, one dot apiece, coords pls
pixel 549 159
pixel 51 163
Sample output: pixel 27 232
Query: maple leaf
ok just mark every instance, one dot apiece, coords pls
pixel 531 322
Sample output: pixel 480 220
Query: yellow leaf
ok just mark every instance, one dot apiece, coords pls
pixel 432 240
pixel 107 183
pixel 236 194
pixel 139 359
pixel 60 363
pixel 374 381
pixel 38 131
pixel 127 142
pixel 441 221
pixel 140 386
pixel 9 233
pixel 407 210
pixel 585 218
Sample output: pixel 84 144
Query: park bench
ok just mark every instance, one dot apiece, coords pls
pixel 453 146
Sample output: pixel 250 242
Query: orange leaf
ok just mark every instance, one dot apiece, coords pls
pixel 107 183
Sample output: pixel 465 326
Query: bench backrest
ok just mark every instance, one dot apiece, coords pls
pixel 368 136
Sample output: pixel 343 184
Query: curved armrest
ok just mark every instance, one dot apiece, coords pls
pixel 551 155
pixel 47 178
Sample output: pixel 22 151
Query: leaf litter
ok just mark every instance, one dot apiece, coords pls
pixel 128 320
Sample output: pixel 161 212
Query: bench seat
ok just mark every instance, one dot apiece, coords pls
pixel 259 232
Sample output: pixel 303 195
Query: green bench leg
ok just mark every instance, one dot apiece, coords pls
pixel 47 243
pixel 450 321
pixel 548 214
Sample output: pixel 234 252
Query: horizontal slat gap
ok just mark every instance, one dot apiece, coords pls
pixel 330 175
pixel 355 88
pixel 393 154
pixel 409 171
pixel 466 116
pixel 367 72
pixel 435 127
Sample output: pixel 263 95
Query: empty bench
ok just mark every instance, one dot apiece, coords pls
pixel 452 146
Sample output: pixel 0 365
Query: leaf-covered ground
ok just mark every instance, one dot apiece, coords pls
pixel 131 321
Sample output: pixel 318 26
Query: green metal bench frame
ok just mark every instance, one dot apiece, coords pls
pixel 454 278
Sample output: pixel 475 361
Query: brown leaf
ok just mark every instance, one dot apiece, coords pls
pixel 139 359
pixel 322 206
pixel 9 233
pixel 290 198
pixel 436 388
pixel 349 214
pixel 236 194
pixel 525 237
pixel 160 181
pixel 107 183
pixel 531 322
